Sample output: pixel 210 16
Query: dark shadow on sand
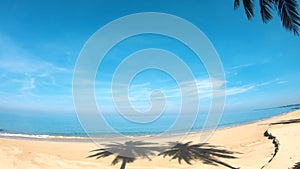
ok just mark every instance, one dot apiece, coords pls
pixel 296 166
pixel 291 121
pixel 204 152
pixel 127 152
pixel 130 151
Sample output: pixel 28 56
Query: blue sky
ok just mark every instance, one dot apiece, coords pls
pixel 40 42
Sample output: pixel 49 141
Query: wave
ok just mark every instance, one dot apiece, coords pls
pixel 41 136
pixel 66 138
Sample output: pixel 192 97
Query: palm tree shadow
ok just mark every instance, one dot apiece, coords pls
pixel 291 121
pixel 204 152
pixel 127 152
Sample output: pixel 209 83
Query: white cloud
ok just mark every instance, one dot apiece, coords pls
pixel 23 64
pixel 29 85
pixel 23 71
pixel 235 69
pixel 242 66
pixel 15 59
pixel 139 96
pixel 282 82
pixel 29 82
pixel 239 90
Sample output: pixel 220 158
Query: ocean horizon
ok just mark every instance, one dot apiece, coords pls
pixel 67 126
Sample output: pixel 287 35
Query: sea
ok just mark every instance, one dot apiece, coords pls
pixel 67 125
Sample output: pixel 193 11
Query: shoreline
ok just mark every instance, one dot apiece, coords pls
pixel 62 138
pixel 247 143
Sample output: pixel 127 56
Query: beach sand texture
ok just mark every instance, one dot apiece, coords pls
pixel 247 143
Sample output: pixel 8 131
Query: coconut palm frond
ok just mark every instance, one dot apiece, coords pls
pixel 265 10
pixel 236 4
pixel 249 8
pixel 288 12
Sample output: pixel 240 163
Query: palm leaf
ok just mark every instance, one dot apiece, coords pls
pixel 265 9
pixel 288 12
pixel 248 6
pixel 236 4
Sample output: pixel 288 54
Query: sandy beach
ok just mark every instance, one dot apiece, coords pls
pixel 246 143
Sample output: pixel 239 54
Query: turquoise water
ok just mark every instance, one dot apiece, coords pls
pixel 43 125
